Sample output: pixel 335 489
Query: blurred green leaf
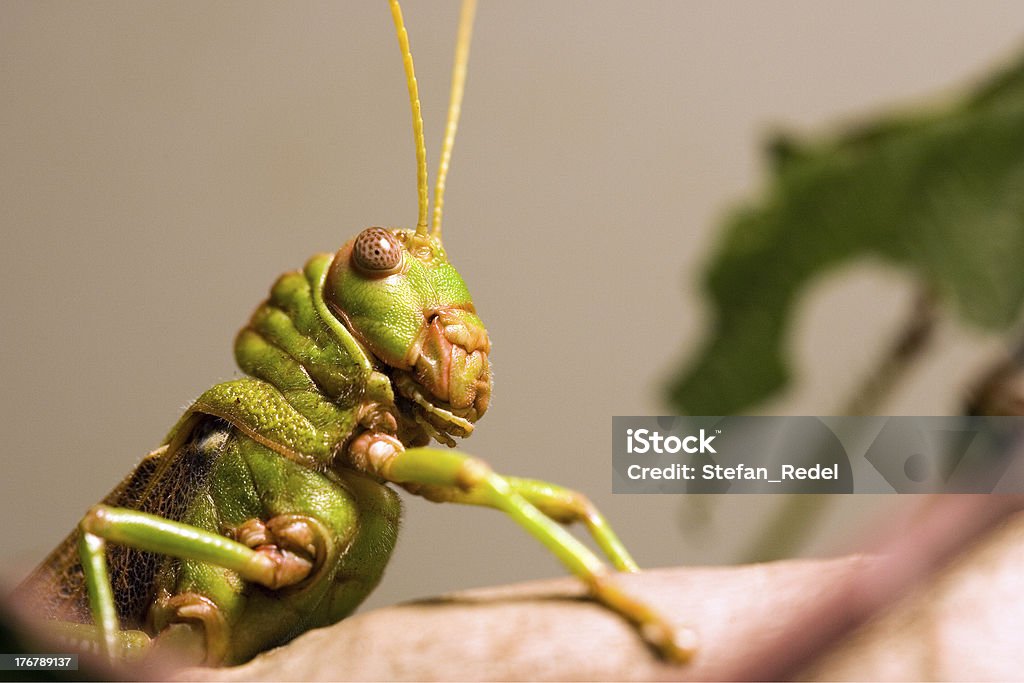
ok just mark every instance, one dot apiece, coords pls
pixel 940 194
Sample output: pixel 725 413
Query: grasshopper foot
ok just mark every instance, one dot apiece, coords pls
pixel 192 627
pixel 294 546
pixel 675 644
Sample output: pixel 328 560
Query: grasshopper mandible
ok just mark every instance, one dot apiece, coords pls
pixel 267 510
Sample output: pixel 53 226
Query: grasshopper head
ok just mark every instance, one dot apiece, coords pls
pixel 399 296
pixel 397 293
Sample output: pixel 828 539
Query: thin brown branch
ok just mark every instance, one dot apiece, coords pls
pixel 912 339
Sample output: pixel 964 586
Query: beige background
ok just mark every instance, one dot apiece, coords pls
pixel 161 164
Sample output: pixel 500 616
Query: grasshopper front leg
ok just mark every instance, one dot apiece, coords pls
pixel 452 476
pixel 557 502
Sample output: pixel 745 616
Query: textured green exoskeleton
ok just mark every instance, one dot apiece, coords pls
pixel 267 511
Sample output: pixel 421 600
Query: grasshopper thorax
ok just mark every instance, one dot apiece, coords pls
pixel 406 304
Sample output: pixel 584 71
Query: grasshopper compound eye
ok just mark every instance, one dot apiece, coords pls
pixel 377 251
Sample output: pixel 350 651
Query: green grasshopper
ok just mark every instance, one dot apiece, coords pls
pixel 267 511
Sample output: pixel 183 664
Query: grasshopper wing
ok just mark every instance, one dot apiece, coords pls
pixel 163 483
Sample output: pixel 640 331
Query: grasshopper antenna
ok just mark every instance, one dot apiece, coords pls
pixel 417 118
pixel 454 107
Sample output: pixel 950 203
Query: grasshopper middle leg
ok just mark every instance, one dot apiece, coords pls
pixel 269 565
pixel 557 502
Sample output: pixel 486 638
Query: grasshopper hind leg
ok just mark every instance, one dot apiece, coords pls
pixel 131 643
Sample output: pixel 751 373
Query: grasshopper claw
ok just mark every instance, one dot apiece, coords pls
pixel 677 645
